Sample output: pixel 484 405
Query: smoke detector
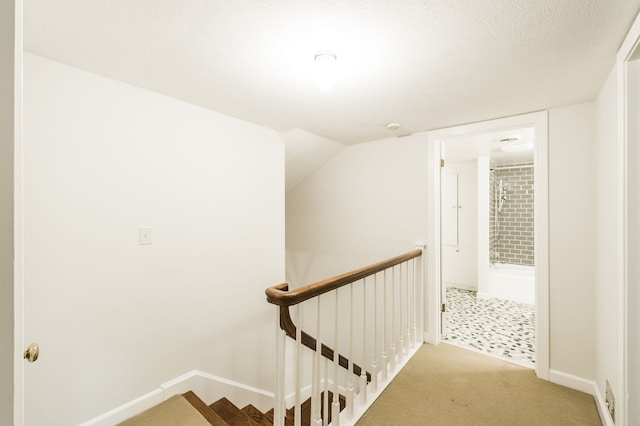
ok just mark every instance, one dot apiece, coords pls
pixel 392 126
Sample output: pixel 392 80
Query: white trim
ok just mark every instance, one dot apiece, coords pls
pixel 631 41
pixel 629 45
pixel 211 387
pixel 538 120
pixel 572 382
pixel 207 386
pixel 18 225
pixel 433 275
pixel 583 385
pixel 621 405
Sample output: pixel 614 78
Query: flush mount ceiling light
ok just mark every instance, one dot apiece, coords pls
pixel 392 126
pixel 514 144
pixel 325 70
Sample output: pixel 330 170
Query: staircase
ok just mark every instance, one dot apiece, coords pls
pixel 231 415
pixel 223 413
pixel 381 321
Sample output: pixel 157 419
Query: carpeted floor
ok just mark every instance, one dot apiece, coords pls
pixel 174 411
pixel 448 385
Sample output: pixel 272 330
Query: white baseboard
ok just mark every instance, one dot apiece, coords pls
pixel 483 295
pixel 207 386
pixel 462 286
pixel 290 399
pixel 583 385
pixel 430 338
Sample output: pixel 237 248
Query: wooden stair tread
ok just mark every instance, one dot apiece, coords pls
pixel 257 415
pixel 211 416
pixel 305 409
pixel 232 414
pixel 224 413
pixel 288 419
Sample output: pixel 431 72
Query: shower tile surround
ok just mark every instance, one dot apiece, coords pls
pixel 513 243
pixel 497 327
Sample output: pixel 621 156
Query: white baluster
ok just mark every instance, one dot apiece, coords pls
pixel 279 403
pixel 414 338
pixel 385 320
pixel 316 418
pixel 325 395
pixel 407 337
pixel 374 354
pixel 335 406
pixel 350 381
pixel 297 407
pixel 401 312
pixel 363 370
pixel 392 348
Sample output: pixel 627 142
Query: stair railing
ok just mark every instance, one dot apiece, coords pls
pixel 374 314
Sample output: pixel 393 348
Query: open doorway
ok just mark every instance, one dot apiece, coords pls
pixel 487 243
pixel 441 148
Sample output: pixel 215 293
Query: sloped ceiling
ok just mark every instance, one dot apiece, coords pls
pixel 304 153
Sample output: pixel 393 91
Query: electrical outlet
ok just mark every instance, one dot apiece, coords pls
pixel 610 400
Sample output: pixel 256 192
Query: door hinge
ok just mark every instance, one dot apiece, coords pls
pixel 442 162
pixel 443 308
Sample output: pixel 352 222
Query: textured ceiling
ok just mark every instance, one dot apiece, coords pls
pixel 425 64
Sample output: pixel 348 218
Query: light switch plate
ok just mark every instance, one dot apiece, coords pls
pixel 144 235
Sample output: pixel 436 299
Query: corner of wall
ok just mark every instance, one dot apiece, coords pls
pixel 207 386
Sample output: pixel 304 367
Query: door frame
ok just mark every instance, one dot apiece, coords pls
pixel 18 195
pixel 539 122
pixel 628 328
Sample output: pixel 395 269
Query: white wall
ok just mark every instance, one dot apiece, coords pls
pixel 608 333
pixel 7 31
pixel 571 239
pixel 368 203
pixel 115 319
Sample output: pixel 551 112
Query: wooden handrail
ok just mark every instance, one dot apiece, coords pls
pixel 281 296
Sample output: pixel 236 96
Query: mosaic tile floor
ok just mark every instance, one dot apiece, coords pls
pixel 498 327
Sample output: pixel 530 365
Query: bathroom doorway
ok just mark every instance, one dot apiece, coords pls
pixel 488 170
pixel 487 243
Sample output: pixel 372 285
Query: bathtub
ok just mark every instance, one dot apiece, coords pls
pixel 512 282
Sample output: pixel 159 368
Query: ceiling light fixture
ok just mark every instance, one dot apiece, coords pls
pixel 325 70
pixel 392 126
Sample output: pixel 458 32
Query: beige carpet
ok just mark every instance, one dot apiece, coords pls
pixel 447 385
pixel 172 412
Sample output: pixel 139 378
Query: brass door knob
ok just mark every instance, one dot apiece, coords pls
pixel 32 352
